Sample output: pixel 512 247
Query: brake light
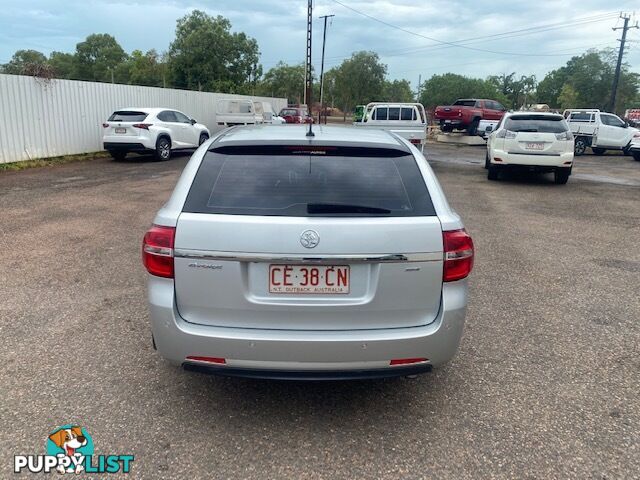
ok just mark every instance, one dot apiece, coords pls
pixel 157 251
pixel 407 361
pixel 144 126
pixel 105 125
pixel 197 358
pixel 458 255
pixel 567 135
pixel 506 134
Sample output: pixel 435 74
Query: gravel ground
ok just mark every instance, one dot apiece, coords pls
pixel 546 383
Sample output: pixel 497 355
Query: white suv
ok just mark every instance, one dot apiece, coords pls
pixel 531 141
pixel 157 130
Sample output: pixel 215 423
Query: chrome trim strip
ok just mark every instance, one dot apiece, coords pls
pixel 287 258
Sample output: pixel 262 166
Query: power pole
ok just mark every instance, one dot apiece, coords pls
pixel 324 41
pixel 308 81
pixel 616 77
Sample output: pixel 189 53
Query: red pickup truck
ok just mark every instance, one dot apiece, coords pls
pixel 466 113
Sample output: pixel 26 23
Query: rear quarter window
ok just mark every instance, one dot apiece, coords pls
pixel 293 181
pixel 127 116
pixel 537 123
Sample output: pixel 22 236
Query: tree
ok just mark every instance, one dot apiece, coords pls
pixel 590 75
pixel 62 64
pixel 516 92
pixel 284 81
pixel 97 58
pixel 24 60
pixel 205 55
pixel 397 91
pixel 447 88
pixel 359 80
pixel 145 69
pixel 568 97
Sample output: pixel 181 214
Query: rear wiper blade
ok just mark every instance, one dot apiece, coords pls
pixel 343 208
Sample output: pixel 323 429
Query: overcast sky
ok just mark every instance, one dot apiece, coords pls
pixel 572 26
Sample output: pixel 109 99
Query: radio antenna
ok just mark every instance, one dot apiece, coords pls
pixel 308 77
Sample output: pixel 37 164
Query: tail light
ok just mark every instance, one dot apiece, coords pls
pixel 157 251
pixel 105 125
pixel 144 126
pixel 506 134
pixel 565 136
pixel 458 255
pixel 408 361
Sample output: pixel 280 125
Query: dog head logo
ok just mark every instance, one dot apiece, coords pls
pixel 70 441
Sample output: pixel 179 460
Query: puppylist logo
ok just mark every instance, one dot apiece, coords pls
pixel 70 450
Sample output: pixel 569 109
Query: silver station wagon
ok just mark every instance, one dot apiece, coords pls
pixel 287 256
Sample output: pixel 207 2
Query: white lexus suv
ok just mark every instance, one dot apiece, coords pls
pixel 531 141
pixel 156 130
pixel 284 255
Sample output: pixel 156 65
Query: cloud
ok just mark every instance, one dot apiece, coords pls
pixel 279 27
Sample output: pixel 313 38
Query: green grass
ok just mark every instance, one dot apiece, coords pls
pixel 52 161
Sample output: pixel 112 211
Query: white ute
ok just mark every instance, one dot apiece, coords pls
pixel 599 130
pixel 407 120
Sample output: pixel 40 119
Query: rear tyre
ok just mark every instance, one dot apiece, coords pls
pixel 118 156
pixel 561 176
pixel 626 151
pixel 487 162
pixel 163 149
pixel 598 151
pixel 472 129
pixel 636 156
pixel 493 172
pixel 203 138
pixel 580 146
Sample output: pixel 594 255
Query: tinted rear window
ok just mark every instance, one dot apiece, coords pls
pixel 127 116
pixel 536 123
pixel 285 181
pixel 466 103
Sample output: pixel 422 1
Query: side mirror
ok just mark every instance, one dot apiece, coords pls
pixel 489 128
pixel 193 121
pixel 626 125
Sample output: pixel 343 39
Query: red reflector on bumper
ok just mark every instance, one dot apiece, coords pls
pixel 207 359
pixel 407 361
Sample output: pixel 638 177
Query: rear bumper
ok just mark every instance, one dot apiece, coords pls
pixel 310 375
pixel 451 121
pixel 301 354
pixel 125 147
pixel 563 160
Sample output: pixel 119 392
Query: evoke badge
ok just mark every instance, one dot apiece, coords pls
pixel 205 265
pixel 309 238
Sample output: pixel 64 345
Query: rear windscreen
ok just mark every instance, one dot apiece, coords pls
pixel 127 116
pixel 466 103
pixel 536 123
pixel 300 182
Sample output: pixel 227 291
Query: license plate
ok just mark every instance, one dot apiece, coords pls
pixel 121 130
pixel 309 279
pixel 535 146
pixel 447 121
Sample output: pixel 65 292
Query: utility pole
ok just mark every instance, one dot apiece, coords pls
pixel 616 78
pixel 308 81
pixel 324 41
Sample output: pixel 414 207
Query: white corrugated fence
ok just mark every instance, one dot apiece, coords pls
pixel 40 119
